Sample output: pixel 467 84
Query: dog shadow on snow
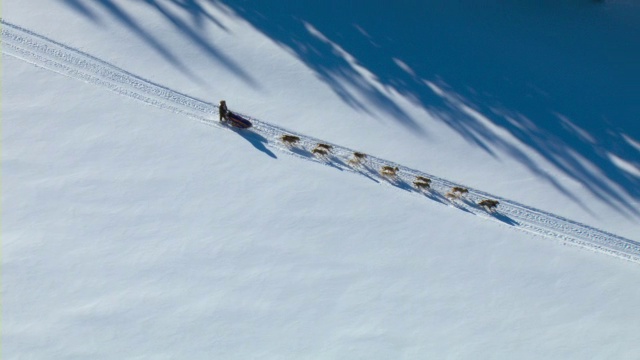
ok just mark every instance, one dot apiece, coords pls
pixel 495 214
pixel 505 219
pixel 330 160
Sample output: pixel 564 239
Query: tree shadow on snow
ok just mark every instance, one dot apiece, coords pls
pixel 557 78
pixel 173 11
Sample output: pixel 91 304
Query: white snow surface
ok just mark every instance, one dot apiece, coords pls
pixel 136 231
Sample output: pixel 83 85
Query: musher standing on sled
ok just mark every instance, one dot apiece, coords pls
pixel 223 111
pixel 232 119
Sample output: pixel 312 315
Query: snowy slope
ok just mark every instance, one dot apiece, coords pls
pixel 521 108
pixel 46 53
pixel 134 231
pixel 117 247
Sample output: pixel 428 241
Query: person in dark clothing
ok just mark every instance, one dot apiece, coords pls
pixel 223 111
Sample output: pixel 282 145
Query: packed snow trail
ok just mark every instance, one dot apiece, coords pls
pixel 48 54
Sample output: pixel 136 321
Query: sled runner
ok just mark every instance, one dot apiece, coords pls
pixel 237 121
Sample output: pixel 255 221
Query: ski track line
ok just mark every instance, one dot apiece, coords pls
pixel 49 54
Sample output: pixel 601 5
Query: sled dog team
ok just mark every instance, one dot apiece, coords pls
pixel 359 159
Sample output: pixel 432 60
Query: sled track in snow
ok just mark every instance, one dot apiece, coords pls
pixel 48 54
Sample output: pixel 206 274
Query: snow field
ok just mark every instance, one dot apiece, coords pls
pixel 132 231
pixel 46 53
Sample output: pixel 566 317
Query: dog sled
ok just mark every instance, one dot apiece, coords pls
pixel 237 121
